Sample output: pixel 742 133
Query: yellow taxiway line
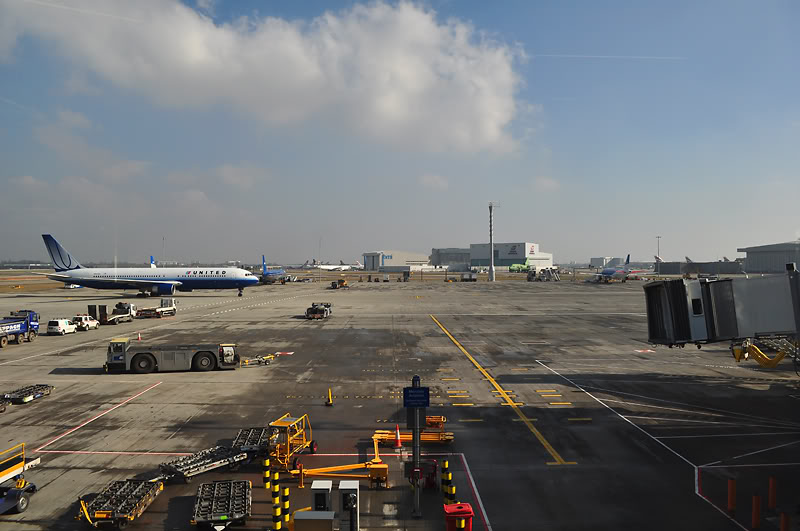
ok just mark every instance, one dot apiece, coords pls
pixel 547 446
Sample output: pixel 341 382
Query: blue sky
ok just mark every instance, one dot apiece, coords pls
pixel 239 128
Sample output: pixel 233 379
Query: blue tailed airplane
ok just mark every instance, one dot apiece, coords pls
pixel 148 280
pixel 268 276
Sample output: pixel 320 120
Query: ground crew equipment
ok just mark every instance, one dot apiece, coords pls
pixel 15 491
pixel 120 503
pixel 253 440
pixel 292 435
pixel 319 310
pixel 28 393
pixel 432 433
pixel 377 471
pixel 221 504
pixel 123 355
pixel 212 458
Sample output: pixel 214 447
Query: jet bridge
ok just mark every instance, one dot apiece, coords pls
pixel 680 312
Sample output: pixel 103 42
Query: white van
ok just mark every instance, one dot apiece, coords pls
pixel 61 326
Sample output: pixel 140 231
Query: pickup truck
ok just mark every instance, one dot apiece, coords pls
pixel 19 326
pixel 168 307
pixel 85 322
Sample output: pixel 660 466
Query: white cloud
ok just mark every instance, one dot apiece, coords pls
pixel 546 184
pixel 207 6
pixel 394 73
pixel 73 119
pixel 239 176
pixel 78 83
pixel 28 183
pixel 433 182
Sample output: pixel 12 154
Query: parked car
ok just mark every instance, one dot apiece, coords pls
pixel 61 327
pixel 85 322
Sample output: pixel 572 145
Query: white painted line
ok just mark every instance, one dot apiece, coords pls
pixel 729 435
pixel 475 493
pixel 753 465
pixel 696 469
pixel 76 428
pixel 704 422
pixel 755 452
pixel 88 452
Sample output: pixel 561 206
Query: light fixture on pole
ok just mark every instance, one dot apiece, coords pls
pixel 492 206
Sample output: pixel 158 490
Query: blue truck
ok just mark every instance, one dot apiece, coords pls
pixel 19 326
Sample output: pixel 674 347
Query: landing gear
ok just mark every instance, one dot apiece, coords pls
pixel 240 292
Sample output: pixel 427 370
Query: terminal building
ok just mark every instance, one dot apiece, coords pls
pixel 395 261
pixel 770 258
pixel 694 268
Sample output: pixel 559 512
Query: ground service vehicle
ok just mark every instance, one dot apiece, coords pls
pixel 222 503
pixel 20 325
pixel 319 310
pixel 15 491
pixel 122 312
pixel 61 327
pixel 123 355
pixel 120 503
pixel 85 322
pixel 341 283
pixel 168 307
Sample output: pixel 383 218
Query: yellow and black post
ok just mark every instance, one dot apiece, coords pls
pixel 447 476
pixel 329 402
pixel 461 523
pixel 276 501
pixel 451 498
pixel 266 474
pixel 285 500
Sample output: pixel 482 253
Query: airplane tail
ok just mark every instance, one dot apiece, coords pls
pixel 658 259
pixel 726 259
pixel 263 264
pixel 359 264
pixel 152 263
pixel 628 260
pixel 341 262
pixel 305 263
pixel 62 260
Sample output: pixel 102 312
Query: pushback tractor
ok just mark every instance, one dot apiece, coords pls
pixel 125 355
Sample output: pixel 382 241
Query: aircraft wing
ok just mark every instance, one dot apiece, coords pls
pixel 114 282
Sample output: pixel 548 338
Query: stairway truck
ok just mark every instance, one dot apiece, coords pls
pixel 125 355
pixel 19 326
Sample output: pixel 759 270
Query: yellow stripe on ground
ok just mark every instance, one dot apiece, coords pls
pixel 547 390
pixel 547 446
pixel 463 404
pixel 576 419
pixel 520 369
pixel 457 396
pixel 464 391
pixel 550 396
pixel 450 379
pixel 560 403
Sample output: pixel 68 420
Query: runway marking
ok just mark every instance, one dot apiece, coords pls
pixel 748 454
pixel 728 435
pixel 503 391
pixel 544 442
pixel 752 465
pixel 695 468
pixel 463 404
pixel 511 404
pixel 550 396
pixel 519 369
pixel 100 452
pixel 450 379
pixel 458 396
pixel 546 390
pixel 560 403
pixel 580 419
pixel 76 428
pixel 539 342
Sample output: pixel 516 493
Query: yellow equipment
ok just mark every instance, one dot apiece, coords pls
pixel 432 433
pixel 377 471
pixel 749 350
pixel 290 436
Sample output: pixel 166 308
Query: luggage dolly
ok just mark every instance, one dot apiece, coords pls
pixel 255 441
pixel 120 503
pixel 203 461
pixel 28 393
pixel 221 504
pixel 15 491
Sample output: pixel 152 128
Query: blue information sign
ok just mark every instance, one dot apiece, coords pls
pixel 416 396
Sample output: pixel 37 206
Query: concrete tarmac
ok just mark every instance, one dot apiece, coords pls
pixel 564 417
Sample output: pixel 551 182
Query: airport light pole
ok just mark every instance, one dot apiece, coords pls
pixel 658 245
pixel 492 205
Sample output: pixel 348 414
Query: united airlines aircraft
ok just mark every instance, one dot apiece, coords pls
pixel 148 280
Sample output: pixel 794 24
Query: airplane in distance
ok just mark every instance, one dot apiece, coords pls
pixel 147 280
pixel 332 267
pixel 616 273
pixel 268 276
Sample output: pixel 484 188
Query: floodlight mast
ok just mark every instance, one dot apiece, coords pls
pixel 492 206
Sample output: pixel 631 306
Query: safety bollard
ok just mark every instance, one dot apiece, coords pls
pixel 277 522
pixel 329 402
pixel 447 477
pixel 285 499
pixel 300 474
pixel 784 522
pixel 452 497
pixel 461 523
pixel 756 520
pixel 266 472
pixel 276 490
pixel 772 494
pixel 731 496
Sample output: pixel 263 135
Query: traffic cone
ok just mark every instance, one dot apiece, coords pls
pixel 138 336
pixel 397 442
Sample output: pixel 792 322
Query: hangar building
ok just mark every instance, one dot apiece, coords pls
pixel 506 254
pixel 770 258
pixel 395 261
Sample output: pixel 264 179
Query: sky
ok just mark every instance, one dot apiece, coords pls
pixel 223 130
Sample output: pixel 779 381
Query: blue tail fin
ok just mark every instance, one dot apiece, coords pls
pixel 263 264
pixel 628 260
pixel 62 260
pixel 152 263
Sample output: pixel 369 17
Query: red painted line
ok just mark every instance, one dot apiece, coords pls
pixel 87 452
pixel 137 395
